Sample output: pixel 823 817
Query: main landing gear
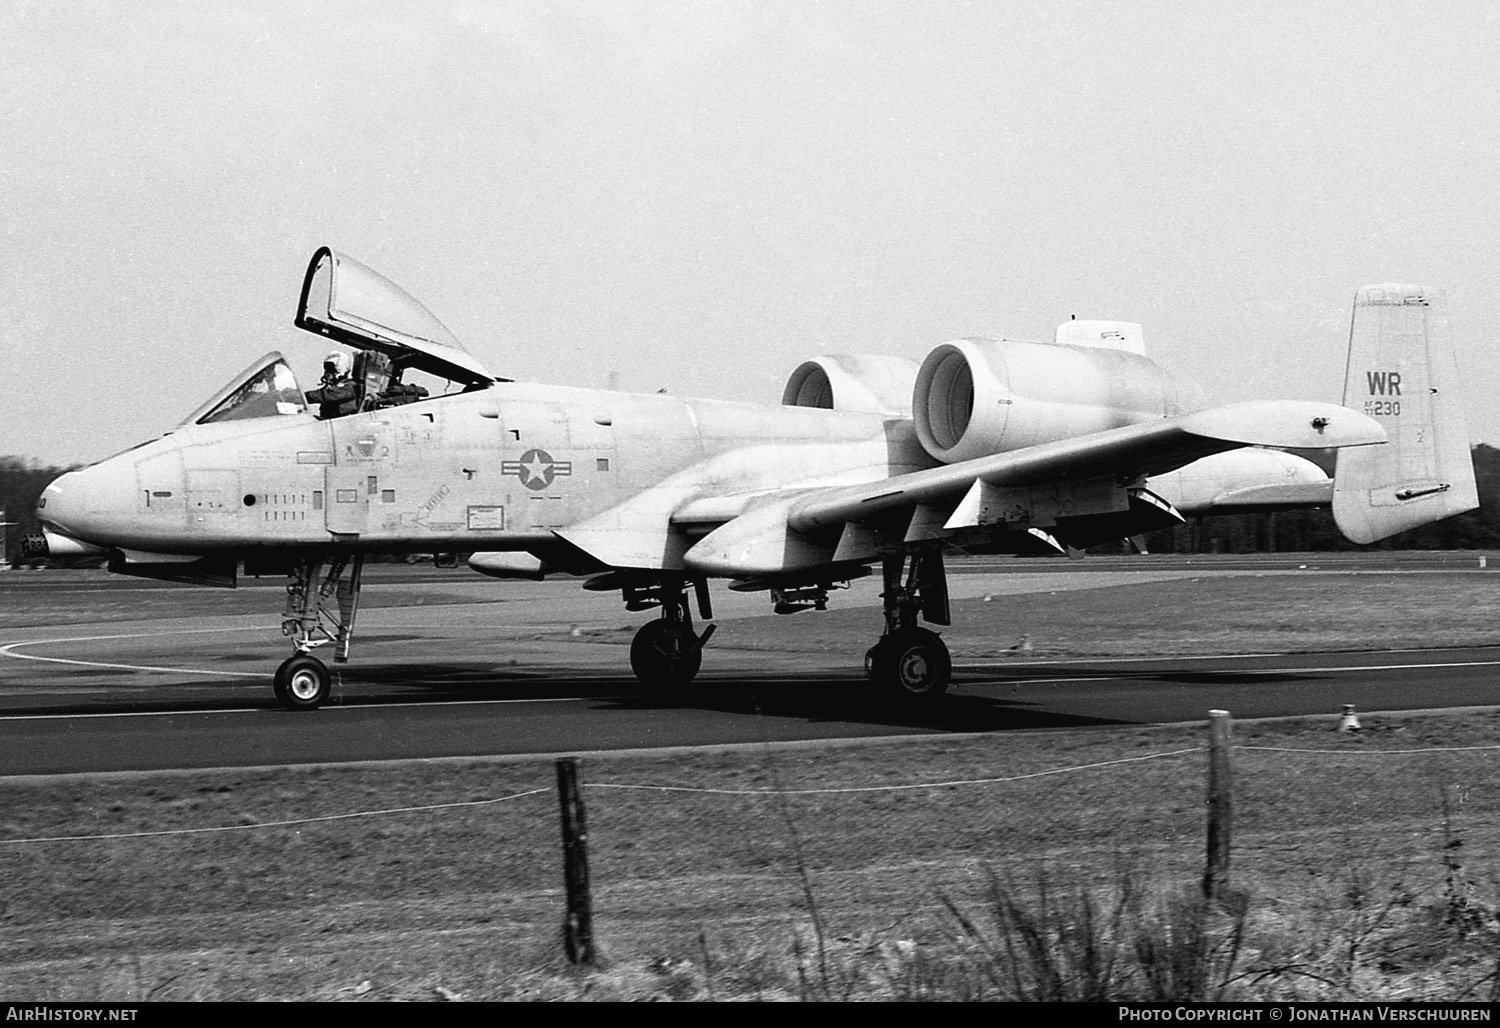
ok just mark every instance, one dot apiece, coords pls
pixel 911 664
pixel 666 653
pixel 302 681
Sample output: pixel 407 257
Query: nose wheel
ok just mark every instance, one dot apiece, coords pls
pixel 302 683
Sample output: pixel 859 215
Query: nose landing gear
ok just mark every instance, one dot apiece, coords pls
pixel 302 681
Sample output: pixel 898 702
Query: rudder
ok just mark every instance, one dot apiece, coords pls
pixel 1402 373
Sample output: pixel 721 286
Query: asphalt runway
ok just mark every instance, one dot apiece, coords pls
pixel 128 675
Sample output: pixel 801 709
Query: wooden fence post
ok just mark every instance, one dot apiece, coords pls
pixel 578 924
pixel 1220 802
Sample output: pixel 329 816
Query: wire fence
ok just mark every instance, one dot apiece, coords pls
pixel 757 838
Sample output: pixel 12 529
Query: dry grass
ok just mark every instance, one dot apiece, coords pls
pixel 1361 875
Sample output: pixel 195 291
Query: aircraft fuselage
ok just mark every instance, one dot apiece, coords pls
pixel 500 468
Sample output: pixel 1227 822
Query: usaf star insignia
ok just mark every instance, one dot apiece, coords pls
pixel 536 469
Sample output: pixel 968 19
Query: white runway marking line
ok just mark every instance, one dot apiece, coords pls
pixel 10 651
pixel 326 709
pixel 1151 673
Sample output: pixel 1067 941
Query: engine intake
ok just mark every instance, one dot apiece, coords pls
pixel 975 397
pixel 853 382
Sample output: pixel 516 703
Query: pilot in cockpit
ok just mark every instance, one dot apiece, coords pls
pixel 338 394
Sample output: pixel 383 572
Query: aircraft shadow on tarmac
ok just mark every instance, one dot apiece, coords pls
pixel 853 701
pixel 825 697
pixel 832 696
pixel 978 702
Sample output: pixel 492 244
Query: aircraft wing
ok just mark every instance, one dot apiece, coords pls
pixel 1083 476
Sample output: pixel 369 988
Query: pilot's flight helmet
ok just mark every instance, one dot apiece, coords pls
pixel 338 362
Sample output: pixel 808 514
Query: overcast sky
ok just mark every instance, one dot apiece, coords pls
pixel 698 196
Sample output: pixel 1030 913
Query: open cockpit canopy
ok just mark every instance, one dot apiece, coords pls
pixel 266 389
pixel 346 301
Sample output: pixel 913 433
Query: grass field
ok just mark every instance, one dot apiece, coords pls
pixel 1364 865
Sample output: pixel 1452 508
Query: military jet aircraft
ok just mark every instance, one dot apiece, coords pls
pixel 995 446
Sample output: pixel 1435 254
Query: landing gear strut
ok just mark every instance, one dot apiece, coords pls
pixel 302 681
pixel 911 664
pixel 666 653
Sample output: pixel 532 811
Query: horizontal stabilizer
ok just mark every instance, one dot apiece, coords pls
pixel 1249 480
pixel 1268 498
pixel 1402 374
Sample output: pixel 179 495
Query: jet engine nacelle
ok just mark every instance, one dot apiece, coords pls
pixel 853 382
pixel 975 397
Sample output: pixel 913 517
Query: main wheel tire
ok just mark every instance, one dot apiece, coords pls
pixel 911 665
pixel 302 683
pixel 665 654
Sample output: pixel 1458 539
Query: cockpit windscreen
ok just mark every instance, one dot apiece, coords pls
pixel 270 391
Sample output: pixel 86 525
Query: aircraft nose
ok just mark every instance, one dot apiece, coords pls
pixel 78 508
pixel 58 504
